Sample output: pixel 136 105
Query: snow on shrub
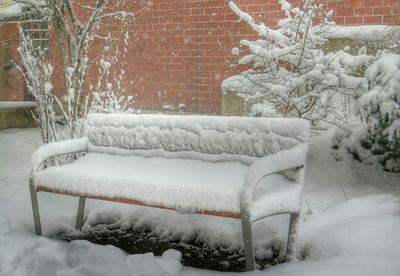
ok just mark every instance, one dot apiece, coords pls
pixel 75 38
pixel 292 73
pixel 377 139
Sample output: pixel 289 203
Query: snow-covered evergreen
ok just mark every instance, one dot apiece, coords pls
pixel 378 138
pixel 292 73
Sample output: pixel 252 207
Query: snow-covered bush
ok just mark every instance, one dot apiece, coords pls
pixel 291 72
pixel 74 37
pixel 377 139
pixel 37 73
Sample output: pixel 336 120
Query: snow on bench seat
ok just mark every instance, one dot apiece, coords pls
pixel 244 168
pixel 186 185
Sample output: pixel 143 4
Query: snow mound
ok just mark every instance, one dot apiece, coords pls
pixel 81 258
pixel 369 221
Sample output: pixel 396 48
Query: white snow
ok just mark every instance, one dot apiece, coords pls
pixel 57 148
pixel 10 10
pixel 364 32
pixel 291 73
pixel 235 51
pixel 15 104
pixel 182 184
pixel 375 139
pixel 44 257
pixel 358 237
pixel 200 134
pixel 286 197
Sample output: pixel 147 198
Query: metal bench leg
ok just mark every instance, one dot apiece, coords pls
pixel 79 217
pixel 248 243
pixel 292 237
pixel 35 209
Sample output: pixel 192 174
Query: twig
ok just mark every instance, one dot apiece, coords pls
pixel 329 205
pixel 341 186
pixel 308 206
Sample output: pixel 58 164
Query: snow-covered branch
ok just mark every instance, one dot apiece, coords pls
pixel 74 35
pixel 291 71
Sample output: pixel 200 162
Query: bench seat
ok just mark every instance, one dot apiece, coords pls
pixel 207 186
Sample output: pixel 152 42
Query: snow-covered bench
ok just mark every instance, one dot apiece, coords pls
pixel 237 167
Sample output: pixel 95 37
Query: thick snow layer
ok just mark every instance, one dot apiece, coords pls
pixel 12 104
pixel 44 257
pixel 182 184
pixel 285 199
pixel 376 138
pixel 57 148
pixel 10 11
pixel 358 237
pixel 365 32
pixel 203 134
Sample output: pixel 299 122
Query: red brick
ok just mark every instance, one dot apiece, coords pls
pixel 354 3
pixel 382 10
pixel 396 10
pixel 393 19
pixel 373 3
pixel 390 3
pixel 344 12
pixel 363 11
pixel 339 20
pixel 373 20
pixel 353 20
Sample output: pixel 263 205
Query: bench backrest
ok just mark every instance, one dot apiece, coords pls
pixel 210 135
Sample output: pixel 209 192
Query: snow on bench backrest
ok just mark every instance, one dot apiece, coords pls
pixel 210 135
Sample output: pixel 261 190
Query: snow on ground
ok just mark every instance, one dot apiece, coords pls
pixel 338 237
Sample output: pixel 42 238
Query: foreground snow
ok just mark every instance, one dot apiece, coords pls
pixel 338 237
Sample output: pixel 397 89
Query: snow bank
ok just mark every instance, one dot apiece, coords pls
pixel 81 258
pixel 360 229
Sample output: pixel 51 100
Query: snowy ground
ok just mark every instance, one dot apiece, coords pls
pixel 358 236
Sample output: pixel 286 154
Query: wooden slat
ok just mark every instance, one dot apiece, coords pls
pixel 136 202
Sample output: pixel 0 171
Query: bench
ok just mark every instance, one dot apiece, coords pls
pixel 237 167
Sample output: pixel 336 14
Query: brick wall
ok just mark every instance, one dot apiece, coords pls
pixel 184 50
pixel 180 50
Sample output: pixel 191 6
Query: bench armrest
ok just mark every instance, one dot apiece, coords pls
pixel 57 148
pixel 284 160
